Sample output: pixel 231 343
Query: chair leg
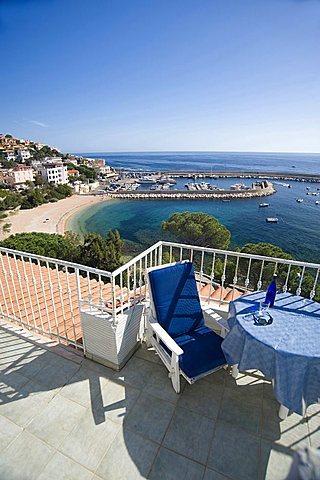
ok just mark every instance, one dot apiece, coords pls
pixel 235 371
pixel 283 412
pixel 148 336
pixel 175 373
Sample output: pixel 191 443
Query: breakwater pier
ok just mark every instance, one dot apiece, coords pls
pixel 264 190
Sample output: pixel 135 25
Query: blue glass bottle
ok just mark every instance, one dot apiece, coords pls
pixel 272 291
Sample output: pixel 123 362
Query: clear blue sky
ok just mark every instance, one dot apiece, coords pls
pixel 142 75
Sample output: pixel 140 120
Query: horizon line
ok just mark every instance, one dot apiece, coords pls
pixel 194 151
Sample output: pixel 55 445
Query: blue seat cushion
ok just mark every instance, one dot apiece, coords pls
pixel 175 297
pixel 201 351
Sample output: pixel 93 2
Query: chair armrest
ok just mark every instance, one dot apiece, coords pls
pixel 165 337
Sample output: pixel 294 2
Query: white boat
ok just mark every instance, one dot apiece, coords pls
pixel 317 202
pixel 299 200
pixel 204 185
pixel 146 181
pixel 164 180
pixel 263 205
pixel 272 220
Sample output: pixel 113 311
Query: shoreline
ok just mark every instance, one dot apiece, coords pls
pixel 58 215
pixel 54 217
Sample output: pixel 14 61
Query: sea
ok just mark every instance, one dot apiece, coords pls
pixel 139 221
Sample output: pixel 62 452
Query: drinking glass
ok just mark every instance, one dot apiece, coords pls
pixel 263 315
pixel 264 307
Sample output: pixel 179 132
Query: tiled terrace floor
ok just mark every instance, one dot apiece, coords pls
pixel 69 418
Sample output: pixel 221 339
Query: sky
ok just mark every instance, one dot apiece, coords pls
pixel 162 75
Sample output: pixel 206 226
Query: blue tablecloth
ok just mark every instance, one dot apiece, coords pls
pixel 287 351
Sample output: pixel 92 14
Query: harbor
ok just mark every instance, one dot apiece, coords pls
pixel 263 189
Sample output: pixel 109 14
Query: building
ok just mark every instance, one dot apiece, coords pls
pixel 10 155
pixel 54 173
pixel 23 154
pixel 73 173
pixel 19 175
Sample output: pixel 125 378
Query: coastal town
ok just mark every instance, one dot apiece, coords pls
pixel 23 160
pixel 42 188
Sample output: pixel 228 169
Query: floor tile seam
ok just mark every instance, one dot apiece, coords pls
pixel 69 458
pixel 24 335
pixel 48 404
pixel 15 438
pixel 154 460
pixel 158 397
pixel 151 362
pixel 144 437
pixel 24 430
pixel 37 342
pixel 169 423
pixel 60 386
pixel 272 440
pixel 259 462
pixel 202 414
pixel 75 401
pixel 184 456
pixel 257 436
pixel 122 428
pixel 171 449
pixel 65 454
pixel 215 426
pixel 23 384
pixel 251 400
pixel 127 413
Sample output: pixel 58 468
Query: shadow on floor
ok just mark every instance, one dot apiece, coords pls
pixel 131 424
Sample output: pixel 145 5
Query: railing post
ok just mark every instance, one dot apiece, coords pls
pixel 114 300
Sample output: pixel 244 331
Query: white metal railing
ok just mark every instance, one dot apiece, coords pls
pixel 222 275
pixel 47 295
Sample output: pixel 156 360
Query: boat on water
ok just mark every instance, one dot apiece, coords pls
pixel 317 202
pixel 164 180
pixel 283 184
pixel 263 205
pixel 299 200
pixel 146 181
pixel 272 220
pixel 239 186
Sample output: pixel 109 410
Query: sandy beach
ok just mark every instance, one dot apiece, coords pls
pixel 35 220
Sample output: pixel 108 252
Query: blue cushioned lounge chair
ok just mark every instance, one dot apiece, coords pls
pixel 175 326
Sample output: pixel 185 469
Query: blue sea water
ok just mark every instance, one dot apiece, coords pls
pixel 139 221
pixel 231 161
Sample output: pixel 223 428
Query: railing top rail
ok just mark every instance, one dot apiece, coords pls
pixel 55 261
pixel 136 259
pixel 243 255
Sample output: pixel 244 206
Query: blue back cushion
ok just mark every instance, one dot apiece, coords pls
pixel 176 299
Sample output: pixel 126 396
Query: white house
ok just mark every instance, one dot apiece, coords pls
pixel 54 172
pixel 23 154
pixel 19 175
pixel 10 155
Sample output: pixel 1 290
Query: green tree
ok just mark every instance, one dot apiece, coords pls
pixel 84 171
pixel 44 244
pixel 114 246
pixel 198 229
pixel 99 253
pixel 39 180
pixel 94 251
pixel 11 201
